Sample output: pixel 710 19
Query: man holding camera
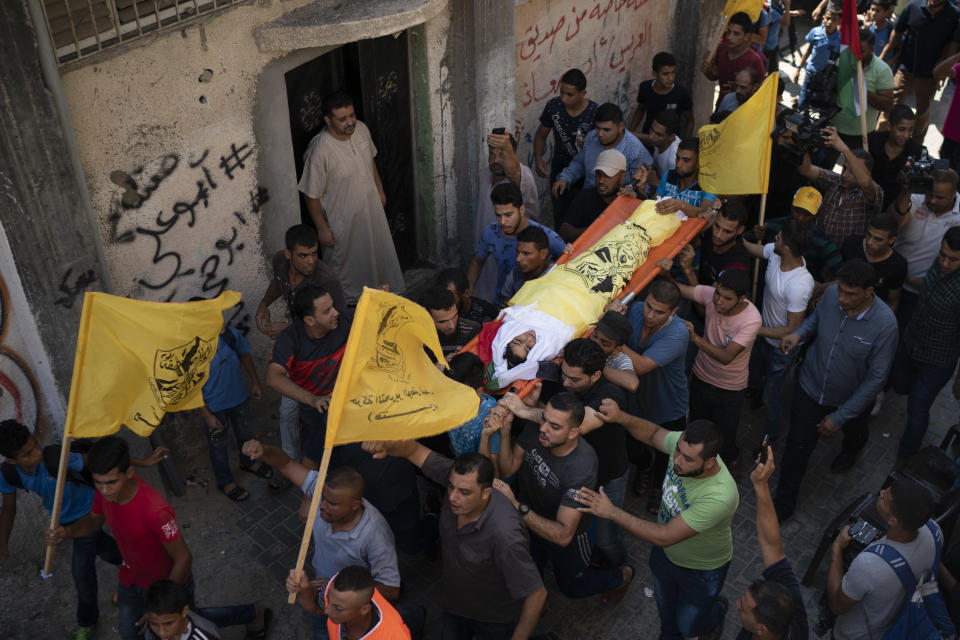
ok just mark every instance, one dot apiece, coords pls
pixel 850 197
pixel 926 209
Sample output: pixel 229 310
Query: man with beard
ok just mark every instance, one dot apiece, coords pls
pixel 499 239
pixel 747 82
pixel 552 463
pixel 295 267
pixel 692 541
pixel 491 587
pixel 608 172
pixel 348 531
pixel 609 132
pixel 345 198
pixel 504 168
pixel 722 248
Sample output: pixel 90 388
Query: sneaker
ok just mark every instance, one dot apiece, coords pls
pixel 84 633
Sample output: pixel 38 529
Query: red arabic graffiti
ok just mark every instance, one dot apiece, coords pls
pixel 534 39
pixel 603 51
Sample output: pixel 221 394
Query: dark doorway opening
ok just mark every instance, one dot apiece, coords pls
pixel 375 73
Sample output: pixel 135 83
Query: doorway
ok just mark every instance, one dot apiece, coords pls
pixel 375 73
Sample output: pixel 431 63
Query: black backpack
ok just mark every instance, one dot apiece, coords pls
pixel 51 460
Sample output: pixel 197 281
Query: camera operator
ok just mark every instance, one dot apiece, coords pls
pixel 784 179
pixel 869 597
pixel 851 197
pixel 924 218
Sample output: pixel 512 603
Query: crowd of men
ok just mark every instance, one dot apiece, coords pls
pixel 859 293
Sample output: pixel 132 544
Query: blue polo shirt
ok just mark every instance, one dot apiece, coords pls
pixel 662 395
pixel 504 250
pixel 225 388
pixel 77 498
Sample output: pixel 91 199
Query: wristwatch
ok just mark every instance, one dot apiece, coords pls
pixel 523 508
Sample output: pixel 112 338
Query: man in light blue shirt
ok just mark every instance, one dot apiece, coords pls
pixel 609 132
pixel 854 339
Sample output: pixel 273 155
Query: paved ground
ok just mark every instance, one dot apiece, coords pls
pixel 242 552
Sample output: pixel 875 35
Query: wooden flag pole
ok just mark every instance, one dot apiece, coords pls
pixel 57 503
pixel 862 97
pixel 715 38
pixel 311 518
pixel 756 261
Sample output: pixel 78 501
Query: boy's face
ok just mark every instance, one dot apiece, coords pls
pixel 30 455
pixel 607 345
pixel 831 22
pixel 570 96
pixel 168 626
pixel 735 36
pixel 530 259
pixel 665 77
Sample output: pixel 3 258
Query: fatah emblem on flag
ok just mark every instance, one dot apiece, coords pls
pixel 177 372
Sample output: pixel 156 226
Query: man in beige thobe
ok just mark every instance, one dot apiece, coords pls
pixel 345 199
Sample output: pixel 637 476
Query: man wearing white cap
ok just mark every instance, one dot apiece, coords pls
pixel 609 172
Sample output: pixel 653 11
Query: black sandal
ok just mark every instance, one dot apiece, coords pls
pixel 263 471
pixel 237 494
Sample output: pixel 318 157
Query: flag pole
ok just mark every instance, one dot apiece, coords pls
pixel 862 97
pixel 57 504
pixel 78 362
pixel 311 518
pixel 756 261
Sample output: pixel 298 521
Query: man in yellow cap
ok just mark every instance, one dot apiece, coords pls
pixel 823 257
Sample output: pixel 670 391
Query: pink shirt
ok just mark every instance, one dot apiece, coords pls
pixel 951 126
pixel 720 331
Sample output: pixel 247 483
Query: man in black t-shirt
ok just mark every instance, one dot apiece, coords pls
pixel 722 247
pixel 609 171
pixel 771 607
pixel 876 247
pixel 890 150
pixel 552 463
pixel 454 332
pixel 582 374
pixel 660 93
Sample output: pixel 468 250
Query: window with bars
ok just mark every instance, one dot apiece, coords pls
pixel 80 28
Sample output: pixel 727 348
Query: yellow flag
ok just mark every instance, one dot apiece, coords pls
pixel 387 387
pixel 750 7
pixel 137 360
pixel 735 154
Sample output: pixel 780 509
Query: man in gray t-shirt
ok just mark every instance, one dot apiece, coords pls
pixel 869 597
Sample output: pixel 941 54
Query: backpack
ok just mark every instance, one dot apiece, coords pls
pixel 51 460
pixel 924 617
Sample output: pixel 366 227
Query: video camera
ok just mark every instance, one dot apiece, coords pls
pixel 807 123
pixel 918 172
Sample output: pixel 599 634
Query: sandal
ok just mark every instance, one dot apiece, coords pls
pixel 263 470
pixel 237 494
pixel 261 633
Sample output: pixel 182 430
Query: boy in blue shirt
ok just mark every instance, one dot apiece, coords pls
pixel 823 40
pixel 28 467
pixel 226 403
pixel 880 19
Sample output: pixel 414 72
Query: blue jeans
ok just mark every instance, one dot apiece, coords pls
pixel 609 538
pixel 130 605
pixel 686 598
pixel 921 383
pixel 84 569
pixel 571 566
pixel 773 364
pixel 238 418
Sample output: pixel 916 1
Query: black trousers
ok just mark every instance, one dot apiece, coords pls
pixel 720 406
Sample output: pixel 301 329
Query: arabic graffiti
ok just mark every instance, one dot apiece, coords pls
pixel 73 285
pixel 170 202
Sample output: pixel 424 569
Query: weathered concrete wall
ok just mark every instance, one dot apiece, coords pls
pixel 611 42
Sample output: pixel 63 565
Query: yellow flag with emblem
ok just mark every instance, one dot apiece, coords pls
pixel 387 387
pixel 137 360
pixel 735 154
pixel 750 7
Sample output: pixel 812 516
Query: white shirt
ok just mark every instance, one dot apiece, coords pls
pixel 919 240
pixel 666 160
pixel 784 292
